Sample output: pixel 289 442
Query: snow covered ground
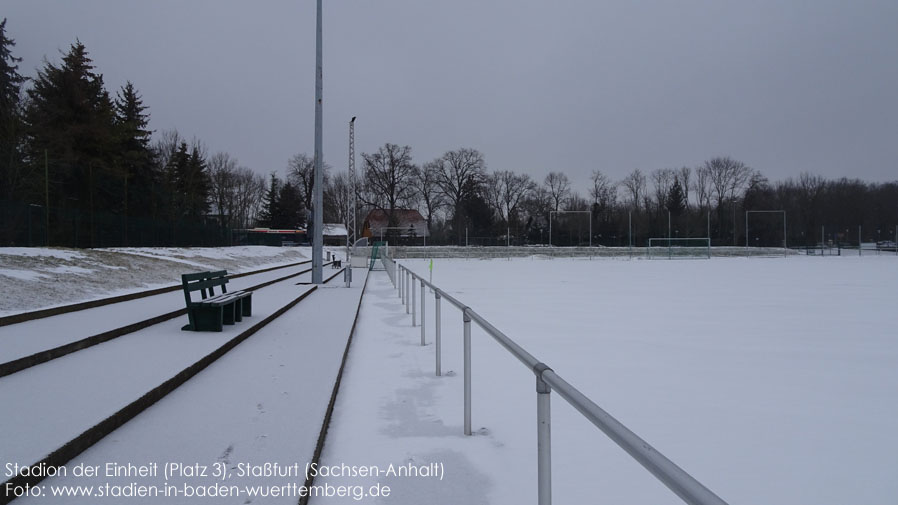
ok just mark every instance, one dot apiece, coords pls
pixel 770 380
pixel 33 277
pixel 261 404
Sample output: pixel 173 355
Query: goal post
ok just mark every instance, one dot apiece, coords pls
pixel 679 248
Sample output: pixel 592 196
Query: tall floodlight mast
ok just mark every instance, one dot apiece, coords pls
pixel 317 206
pixel 350 204
pixel 351 229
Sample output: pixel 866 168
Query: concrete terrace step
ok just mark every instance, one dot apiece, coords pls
pixel 263 402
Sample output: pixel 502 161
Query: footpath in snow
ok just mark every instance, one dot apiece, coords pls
pixel 394 417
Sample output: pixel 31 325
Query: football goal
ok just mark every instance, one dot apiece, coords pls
pixel 678 248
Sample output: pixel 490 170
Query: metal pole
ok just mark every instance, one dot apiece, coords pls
pixel 406 291
pixel 734 222
pixel 423 291
pixel 437 318
pixel 318 207
pixel 859 240
pixel 47 197
pixel 746 230
pixel 352 203
pixel 785 237
pixel 550 228
pixel 399 281
pixel 543 441
pixel 590 229
pixel 630 232
pixel 467 345
pixel 350 211
pixel 413 302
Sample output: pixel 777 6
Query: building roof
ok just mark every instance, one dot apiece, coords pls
pixel 409 223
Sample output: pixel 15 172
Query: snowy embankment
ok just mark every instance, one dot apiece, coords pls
pixel 769 380
pixel 35 278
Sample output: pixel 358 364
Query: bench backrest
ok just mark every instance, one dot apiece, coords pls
pixel 205 282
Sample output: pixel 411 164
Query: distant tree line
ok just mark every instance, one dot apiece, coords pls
pixel 461 200
pixel 82 161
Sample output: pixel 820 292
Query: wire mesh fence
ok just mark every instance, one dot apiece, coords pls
pixel 32 225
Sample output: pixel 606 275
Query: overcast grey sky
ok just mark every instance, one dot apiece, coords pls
pixel 783 85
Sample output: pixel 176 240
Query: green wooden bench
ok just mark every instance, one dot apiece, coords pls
pixel 212 311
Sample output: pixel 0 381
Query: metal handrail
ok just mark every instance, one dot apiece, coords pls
pixel 675 478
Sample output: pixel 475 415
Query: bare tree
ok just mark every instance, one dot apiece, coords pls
pixel 536 206
pixel 559 187
pixel 249 189
pixel 222 173
pixel 429 194
pixel 236 191
pixel 634 188
pixel 702 187
pixel 663 179
pixel 506 191
pixel 460 174
pixel 337 199
pixel 389 179
pixel 301 173
pixel 602 191
pixel 576 202
pixel 729 178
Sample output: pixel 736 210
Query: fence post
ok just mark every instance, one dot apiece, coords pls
pixel 467 345
pixel 406 291
pixel 413 302
pixel 423 291
pixel 399 281
pixel 437 297
pixel 543 436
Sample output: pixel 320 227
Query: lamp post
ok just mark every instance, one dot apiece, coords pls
pixel 318 207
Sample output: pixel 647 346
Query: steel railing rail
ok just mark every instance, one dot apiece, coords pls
pixel 675 478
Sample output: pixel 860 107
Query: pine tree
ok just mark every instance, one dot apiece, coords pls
pixel 198 186
pixel 71 117
pixel 270 203
pixel 176 180
pixel 136 157
pixel 289 209
pixel 676 200
pixel 11 126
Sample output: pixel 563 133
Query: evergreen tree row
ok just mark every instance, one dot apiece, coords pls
pixel 79 168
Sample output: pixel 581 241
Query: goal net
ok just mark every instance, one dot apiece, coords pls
pixel 678 248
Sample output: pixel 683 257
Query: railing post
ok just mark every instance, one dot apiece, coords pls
pixel 437 297
pixel 399 281
pixel 423 291
pixel 413 302
pixel 467 345
pixel 543 437
pixel 406 291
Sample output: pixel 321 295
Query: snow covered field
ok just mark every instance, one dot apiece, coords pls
pixel 769 380
pixel 36 277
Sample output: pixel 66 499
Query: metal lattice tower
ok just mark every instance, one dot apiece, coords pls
pixel 351 230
